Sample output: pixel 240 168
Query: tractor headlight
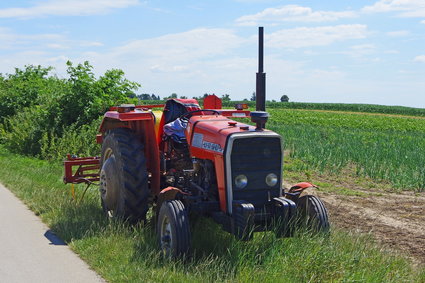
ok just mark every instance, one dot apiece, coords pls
pixel 241 181
pixel 271 179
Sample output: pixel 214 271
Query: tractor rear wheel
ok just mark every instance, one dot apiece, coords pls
pixel 173 229
pixel 124 188
pixel 312 214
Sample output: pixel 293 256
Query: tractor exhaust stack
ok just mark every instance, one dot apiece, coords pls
pixel 259 117
pixel 260 91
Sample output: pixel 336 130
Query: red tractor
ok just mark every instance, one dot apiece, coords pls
pixel 192 161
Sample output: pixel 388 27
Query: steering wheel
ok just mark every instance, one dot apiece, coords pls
pixel 186 116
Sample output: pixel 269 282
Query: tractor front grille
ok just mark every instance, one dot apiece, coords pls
pixel 254 155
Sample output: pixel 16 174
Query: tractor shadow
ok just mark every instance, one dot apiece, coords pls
pixel 53 238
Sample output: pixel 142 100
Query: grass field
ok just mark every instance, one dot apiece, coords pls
pixel 385 148
pixel 122 253
pixel 368 108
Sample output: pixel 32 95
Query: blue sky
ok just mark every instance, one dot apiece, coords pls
pixel 316 51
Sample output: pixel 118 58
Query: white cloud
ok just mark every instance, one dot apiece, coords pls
pixel 391 51
pixel 33 42
pixel 423 22
pixel 66 8
pixel 10 40
pixel 398 33
pixel 361 50
pixel 327 74
pixel 181 47
pixel 315 36
pixel 407 8
pixel 292 13
pixel 56 46
pixel 91 44
pixel 420 58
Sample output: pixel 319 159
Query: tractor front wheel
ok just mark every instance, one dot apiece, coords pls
pixel 124 188
pixel 173 229
pixel 312 214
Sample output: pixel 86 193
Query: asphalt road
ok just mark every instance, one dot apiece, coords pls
pixel 30 252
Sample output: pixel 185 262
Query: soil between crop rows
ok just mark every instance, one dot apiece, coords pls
pixel 395 219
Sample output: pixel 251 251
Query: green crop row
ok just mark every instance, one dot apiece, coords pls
pixel 368 108
pixel 383 148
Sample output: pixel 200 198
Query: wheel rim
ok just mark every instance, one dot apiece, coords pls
pixel 166 237
pixel 108 190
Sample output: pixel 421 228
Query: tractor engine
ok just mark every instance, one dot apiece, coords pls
pixel 191 175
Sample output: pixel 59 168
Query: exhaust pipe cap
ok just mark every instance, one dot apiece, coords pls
pixel 260 119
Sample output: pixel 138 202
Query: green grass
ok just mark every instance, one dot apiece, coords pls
pixel 368 108
pixel 122 253
pixel 380 147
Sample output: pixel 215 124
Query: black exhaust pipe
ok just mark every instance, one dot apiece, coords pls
pixel 260 91
pixel 260 117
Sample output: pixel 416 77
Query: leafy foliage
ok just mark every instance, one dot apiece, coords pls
pixel 42 115
pixel 284 98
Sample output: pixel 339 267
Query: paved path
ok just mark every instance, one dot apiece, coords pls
pixel 29 252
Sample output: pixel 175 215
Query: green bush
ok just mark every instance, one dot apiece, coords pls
pixel 78 141
pixel 42 115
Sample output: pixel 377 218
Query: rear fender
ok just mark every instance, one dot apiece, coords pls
pixel 142 123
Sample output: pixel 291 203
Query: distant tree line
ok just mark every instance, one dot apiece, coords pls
pixel 224 97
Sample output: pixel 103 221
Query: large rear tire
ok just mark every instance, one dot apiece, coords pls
pixel 312 214
pixel 124 188
pixel 173 229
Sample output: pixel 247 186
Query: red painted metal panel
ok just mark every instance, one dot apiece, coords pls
pixel 87 171
pixel 221 183
pixel 212 102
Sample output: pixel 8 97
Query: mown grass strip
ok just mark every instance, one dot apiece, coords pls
pixel 122 253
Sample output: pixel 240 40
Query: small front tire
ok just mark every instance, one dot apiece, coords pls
pixel 312 214
pixel 173 230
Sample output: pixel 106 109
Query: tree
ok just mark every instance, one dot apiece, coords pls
pixel 284 98
pixel 144 96
pixel 253 97
pixel 88 97
pixel 225 97
pixel 183 97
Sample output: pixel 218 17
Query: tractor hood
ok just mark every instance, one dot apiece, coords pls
pixel 207 135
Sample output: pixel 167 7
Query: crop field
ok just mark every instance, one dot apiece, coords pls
pixel 123 253
pixel 385 148
pixel 350 151
pixel 344 107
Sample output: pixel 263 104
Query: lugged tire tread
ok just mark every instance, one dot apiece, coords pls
pixel 134 178
pixel 179 219
pixel 320 212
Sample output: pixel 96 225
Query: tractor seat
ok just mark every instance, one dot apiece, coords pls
pixel 175 130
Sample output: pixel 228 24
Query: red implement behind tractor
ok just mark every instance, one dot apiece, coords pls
pixel 191 161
